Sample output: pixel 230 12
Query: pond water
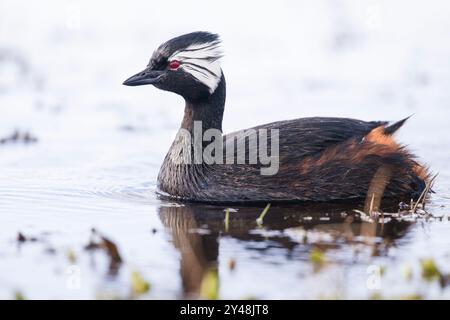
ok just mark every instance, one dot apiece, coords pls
pixel 100 145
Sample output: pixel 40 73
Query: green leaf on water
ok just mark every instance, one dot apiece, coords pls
pixel 227 219
pixel 429 270
pixel 317 258
pixel 209 288
pixel 382 270
pixel 71 256
pixel 260 219
pixel 18 295
pixel 138 284
pixel 376 296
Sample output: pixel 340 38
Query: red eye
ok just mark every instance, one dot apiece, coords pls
pixel 174 64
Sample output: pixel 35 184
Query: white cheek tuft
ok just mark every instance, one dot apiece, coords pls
pixel 202 62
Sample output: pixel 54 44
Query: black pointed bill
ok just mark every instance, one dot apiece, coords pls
pixel 144 77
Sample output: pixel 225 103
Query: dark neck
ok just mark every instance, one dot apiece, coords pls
pixel 208 110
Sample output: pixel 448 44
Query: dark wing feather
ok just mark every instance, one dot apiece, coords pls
pixel 304 137
pixel 391 129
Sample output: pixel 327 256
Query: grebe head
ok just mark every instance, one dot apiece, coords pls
pixel 187 65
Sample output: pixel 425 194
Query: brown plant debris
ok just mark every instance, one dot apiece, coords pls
pixel 19 137
pixel 98 241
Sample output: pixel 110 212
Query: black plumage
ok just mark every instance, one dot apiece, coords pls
pixel 320 159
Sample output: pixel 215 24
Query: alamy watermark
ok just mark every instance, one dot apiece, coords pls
pixel 253 146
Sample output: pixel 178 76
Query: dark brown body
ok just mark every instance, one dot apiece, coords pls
pixel 321 159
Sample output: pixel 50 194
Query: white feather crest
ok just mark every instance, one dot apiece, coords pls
pixel 202 62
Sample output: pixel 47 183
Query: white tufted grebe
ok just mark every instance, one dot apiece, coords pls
pixel 319 159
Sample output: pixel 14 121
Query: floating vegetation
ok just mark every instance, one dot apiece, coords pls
pixel 19 137
pixel 423 196
pixel 18 295
pixel 382 270
pixel 98 241
pixel 22 238
pixel 301 234
pixel 407 212
pixel 139 285
pixel 209 288
pixel 430 271
pixel 227 219
pixel 260 219
pixel 411 297
pixel 317 258
pixel 71 256
pixel 334 296
pixel 376 296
